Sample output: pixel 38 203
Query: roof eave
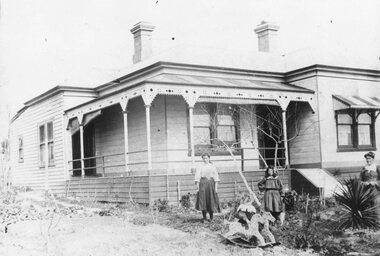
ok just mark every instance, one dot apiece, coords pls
pixel 55 90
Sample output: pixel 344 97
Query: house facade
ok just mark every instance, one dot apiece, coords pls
pixel 140 136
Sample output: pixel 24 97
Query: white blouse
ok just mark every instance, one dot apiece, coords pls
pixel 371 167
pixel 206 171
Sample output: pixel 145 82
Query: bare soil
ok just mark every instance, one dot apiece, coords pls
pixel 38 228
pixel 109 235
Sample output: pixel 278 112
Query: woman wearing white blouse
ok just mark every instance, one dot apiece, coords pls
pixel 206 179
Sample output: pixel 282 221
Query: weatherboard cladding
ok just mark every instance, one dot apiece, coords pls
pixel 29 172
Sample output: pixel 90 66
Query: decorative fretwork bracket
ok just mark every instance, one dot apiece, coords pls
pixel 124 103
pixel 148 94
pixel 190 98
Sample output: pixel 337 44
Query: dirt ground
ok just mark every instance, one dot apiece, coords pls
pixel 109 235
pixel 79 230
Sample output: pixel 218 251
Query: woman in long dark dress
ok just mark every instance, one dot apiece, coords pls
pixel 207 178
pixel 272 187
pixel 370 176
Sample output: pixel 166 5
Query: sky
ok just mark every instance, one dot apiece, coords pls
pixel 44 43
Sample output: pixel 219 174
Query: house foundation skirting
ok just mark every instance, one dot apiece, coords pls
pixel 146 189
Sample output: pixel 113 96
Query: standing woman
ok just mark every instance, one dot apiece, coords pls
pixel 206 179
pixel 272 187
pixel 370 176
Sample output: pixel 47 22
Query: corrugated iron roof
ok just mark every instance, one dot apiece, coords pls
pixel 225 82
pixel 356 101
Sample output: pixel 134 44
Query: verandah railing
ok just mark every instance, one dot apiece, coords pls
pixel 95 163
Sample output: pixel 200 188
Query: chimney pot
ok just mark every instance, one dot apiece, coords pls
pixel 142 34
pixel 267 36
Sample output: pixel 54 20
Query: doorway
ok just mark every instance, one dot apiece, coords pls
pixel 89 151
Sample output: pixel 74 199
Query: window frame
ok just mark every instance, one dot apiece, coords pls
pixel 213 131
pixel 354 114
pixel 47 141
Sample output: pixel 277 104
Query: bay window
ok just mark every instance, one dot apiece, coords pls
pixel 355 129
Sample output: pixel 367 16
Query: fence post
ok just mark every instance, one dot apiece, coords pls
pixel 235 192
pixel 149 189
pixel 67 188
pixel 167 185
pixel 104 169
pixel 80 190
pixel 178 192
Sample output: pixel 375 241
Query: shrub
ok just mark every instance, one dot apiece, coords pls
pixel 290 200
pixel 187 201
pixel 358 202
pixel 336 172
pixel 161 205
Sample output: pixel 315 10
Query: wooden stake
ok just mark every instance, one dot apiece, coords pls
pixel 178 191
pixel 167 185
pixel 235 190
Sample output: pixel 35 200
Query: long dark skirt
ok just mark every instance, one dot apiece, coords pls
pixel 272 201
pixel 207 198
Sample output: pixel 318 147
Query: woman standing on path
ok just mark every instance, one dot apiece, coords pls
pixel 207 178
pixel 370 176
pixel 272 187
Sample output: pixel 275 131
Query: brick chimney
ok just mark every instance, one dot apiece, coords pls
pixel 267 36
pixel 142 34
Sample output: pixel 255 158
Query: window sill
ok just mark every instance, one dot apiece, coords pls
pixel 369 148
pixel 49 166
pixel 215 153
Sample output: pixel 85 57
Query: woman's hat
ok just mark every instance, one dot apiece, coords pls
pixel 370 154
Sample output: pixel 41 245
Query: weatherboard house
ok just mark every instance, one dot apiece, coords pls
pixel 141 135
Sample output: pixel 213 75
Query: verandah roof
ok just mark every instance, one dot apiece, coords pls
pixel 195 87
pixel 180 79
pixel 355 102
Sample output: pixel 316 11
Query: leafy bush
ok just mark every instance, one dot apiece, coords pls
pixel 290 200
pixel 336 172
pixel 188 201
pixel 358 201
pixel 161 205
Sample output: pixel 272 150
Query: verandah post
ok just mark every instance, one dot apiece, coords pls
pixel 126 145
pixel 284 105
pixel 285 134
pixel 67 142
pixel 148 140
pixel 124 105
pixel 81 149
pixel 81 133
pixel 191 121
pixel 149 150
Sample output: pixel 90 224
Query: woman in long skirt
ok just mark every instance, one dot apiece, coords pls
pixel 206 179
pixel 370 176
